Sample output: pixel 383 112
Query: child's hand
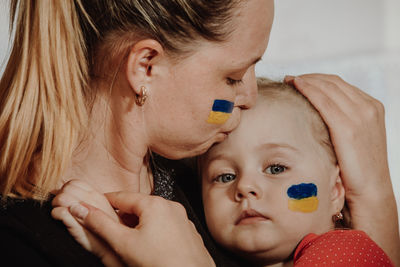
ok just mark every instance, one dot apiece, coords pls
pixel 356 124
pixel 71 195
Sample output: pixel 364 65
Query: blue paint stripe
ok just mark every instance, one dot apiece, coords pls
pixel 222 106
pixel 300 191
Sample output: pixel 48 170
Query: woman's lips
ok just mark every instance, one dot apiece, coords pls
pixel 249 217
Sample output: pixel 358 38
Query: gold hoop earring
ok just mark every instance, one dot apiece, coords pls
pixel 337 217
pixel 141 98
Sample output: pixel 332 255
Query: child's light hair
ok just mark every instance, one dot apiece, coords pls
pixel 270 91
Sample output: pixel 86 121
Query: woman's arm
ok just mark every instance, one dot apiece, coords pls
pixel 357 126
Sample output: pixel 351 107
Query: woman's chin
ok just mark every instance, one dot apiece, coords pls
pixel 176 153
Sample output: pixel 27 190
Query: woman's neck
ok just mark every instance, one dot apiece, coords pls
pixel 112 157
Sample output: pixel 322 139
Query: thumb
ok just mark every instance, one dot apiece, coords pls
pixel 102 225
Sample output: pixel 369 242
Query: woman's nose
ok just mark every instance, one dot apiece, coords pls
pixel 246 189
pixel 247 94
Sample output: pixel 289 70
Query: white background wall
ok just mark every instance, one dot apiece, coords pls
pixel 357 39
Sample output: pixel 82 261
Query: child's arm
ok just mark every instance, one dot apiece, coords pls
pixel 357 126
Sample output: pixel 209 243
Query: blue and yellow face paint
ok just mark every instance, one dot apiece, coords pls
pixel 303 197
pixel 221 111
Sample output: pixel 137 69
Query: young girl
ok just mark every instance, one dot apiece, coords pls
pixel 272 191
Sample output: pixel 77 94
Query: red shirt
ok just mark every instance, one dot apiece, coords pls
pixel 340 248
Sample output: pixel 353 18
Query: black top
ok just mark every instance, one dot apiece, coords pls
pixel 29 236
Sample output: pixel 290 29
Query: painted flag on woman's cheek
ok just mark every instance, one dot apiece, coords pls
pixel 220 112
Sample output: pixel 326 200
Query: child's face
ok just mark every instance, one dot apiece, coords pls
pixel 245 182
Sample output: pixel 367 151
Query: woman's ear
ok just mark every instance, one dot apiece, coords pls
pixel 337 191
pixel 142 58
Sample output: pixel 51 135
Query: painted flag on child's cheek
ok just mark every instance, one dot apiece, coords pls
pixel 221 111
pixel 303 197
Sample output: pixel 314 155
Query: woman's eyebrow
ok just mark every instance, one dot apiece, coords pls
pixel 251 62
pixel 245 65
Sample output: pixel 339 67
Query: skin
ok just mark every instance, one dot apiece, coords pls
pixel 245 198
pixel 180 97
pixel 347 111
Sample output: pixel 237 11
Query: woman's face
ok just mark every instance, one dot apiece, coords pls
pixel 217 76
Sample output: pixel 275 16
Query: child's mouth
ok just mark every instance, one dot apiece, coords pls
pixel 249 217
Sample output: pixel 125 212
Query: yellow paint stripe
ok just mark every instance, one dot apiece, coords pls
pixel 308 204
pixel 217 117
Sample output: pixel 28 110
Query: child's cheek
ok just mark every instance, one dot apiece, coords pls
pixel 303 197
pixel 220 111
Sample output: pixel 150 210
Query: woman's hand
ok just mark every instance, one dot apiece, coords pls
pixel 357 127
pixel 70 196
pixel 164 235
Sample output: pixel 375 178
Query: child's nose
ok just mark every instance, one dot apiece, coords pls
pixel 247 189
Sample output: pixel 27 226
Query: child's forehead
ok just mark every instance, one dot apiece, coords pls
pixel 267 127
pixel 279 109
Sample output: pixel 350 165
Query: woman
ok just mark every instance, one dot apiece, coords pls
pixel 92 86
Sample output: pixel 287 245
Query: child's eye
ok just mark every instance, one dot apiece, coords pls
pixel 225 178
pixel 275 169
pixel 231 81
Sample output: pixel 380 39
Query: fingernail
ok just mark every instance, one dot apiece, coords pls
pixel 79 211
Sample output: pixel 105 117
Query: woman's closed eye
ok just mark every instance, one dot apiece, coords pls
pixel 225 178
pixel 275 169
pixel 232 82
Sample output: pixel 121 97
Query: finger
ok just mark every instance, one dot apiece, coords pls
pixel 111 260
pixel 64 200
pixel 73 226
pixel 350 90
pixel 103 226
pixel 87 240
pixel 82 191
pixel 328 88
pixel 76 191
pixel 129 202
pixel 354 107
pixel 331 113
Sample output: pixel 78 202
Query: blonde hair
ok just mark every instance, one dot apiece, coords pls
pixel 278 91
pixel 44 94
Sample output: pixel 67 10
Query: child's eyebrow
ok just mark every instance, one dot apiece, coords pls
pixel 214 157
pixel 270 146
